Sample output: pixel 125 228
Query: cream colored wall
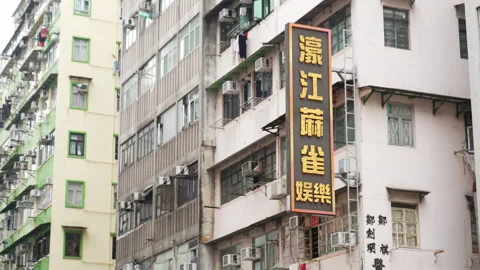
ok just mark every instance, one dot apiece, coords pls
pixel 100 122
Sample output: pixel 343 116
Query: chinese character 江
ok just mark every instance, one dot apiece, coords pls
pixel 314 89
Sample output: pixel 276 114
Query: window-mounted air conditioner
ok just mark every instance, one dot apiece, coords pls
pixel 245 2
pixel 54 37
pixel 262 65
pixel 296 222
pixel 230 260
pixel 145 6
pixel 179 171
pixel 278 189
pixel 229 88
pixel 138 197
pixel 34 105
pixel 125 205
pixel 82 88
pixel 21 248
pixel 161 180
pixel 8 258
pixel 49 181
pixel 251 254
pixel 128 23
pixel 35 193
pixel 251 169
pixel 343 239
pixel 227 15
pixel 44 94
pixel 128 266
pixel 188 266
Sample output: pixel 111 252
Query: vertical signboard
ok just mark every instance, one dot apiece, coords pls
pixel 309 120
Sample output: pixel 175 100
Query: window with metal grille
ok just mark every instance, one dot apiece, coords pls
pixel 405 225
pixel 400 124
pixel 395 25
pixel 462 32
pixel 338 22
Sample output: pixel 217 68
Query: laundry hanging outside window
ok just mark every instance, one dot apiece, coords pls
pixel 241 45
pixel 42 37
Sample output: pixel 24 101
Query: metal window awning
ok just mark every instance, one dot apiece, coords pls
pixel 274 125
pixel 437 100
pixel 421 193
pixel 243 66
pixel 73 227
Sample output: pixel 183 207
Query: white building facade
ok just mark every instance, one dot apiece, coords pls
pixel 407 154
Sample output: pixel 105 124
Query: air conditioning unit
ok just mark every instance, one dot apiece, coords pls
pixel 26 198
pixel 262 65
pixel 245 2
pixel 138 197
pixel 227 15
pixel 230 260
pixel 22 44
pixel 125 205
pixel 251 254
pixel 8 258
pixel 229 88
pixel 82 88
pixel 161 180
pixel 179 171
pixel 44 94
pixel 21 84
pixel 16 165
pixel 49 181
pixel 296 222
pixel 128 23
pixel 278 189
pixel 343 239
pixel 145 6
pixel 23 166
pixel 251 169
pixel 35 193
pixel 34 106
pixel 21 248
pixel 128 266
pixel 188 266
pixel 10 213
pixel 23 116
pixel 41 56
pixel 31 153
pixel 21 159
pixel 54 37
pixel 32 66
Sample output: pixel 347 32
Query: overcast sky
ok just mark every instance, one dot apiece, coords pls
pixel 7 7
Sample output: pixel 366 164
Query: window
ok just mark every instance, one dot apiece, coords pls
pixel 115 197
pixel 164 198
pixel 118 99
pixel 405 225
pixel 116 146
pixel 128 153
pixel 82 7
pixel 166 126
pixel 143 209
pixel 148 76
pixel 52 56
pixel 269 245
pixel 231 107
pixel 339 22
pixel 225 39
pixel 53 97
pixel 168 57
pixel 73 245
pixel 400 124
pixel 129 91
pixel 340 139
pixel 462 30
pixel 262 8
pixel 187 187
pixel 283 70
pixel 146 140
pixel 469 131
pixel 234 185
pixel 130 36
pixel 473 224
pixel 124 218
pixel 79 96
pixel 114 248
pixel 41 246
pixel 77 144
pixel 189 109
pixel 263 84
pixel 81 50
pixel 189 37
pixel 396 28
pixel 75 197
pixel 230 250
pixel 283 148
pixel 46 149
pixel 46 197
pixel 166 4
pixel 246 96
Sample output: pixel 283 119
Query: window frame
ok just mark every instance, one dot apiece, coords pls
pixel 70 132
pixel 89 44
pixel 401 118
pixel 75 232
pixel 116 147
pixel 463 42
pixel 169 50
pixel 146 140
pixel 395 10
pixel 185 36
pixel 264 261
pixel 127 153
pixel 406 208
pixel 130 85
pixel 72 85
pixel 184 191
pixel 82 205
pixel 82 12
pixel 343 15
pixel 151 67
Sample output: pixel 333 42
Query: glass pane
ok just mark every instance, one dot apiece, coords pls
pixel 411 241
pixel 407 132
pixel 393 131
pixel 410 216
pixel 411 228
pixel 397 227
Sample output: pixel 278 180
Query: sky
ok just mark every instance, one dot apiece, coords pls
pixel 7 7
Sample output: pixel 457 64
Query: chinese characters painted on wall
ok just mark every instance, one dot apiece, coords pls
pixel 309 116
pixel 372 247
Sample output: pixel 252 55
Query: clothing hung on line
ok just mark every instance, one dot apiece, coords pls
pixel 241 46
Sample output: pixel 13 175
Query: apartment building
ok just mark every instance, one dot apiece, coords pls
pixel 59 113
pixel 204 146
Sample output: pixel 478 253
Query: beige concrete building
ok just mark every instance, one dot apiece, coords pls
pixel 59 113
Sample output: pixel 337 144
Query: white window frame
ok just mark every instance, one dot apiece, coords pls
pixel 148 76
pixel 84 8
pixel 401 119
pixel 130 36
pixel 76 188
pixel 79 100
pixel 129 91
pixel 189 109
pixel 168 56
pixel 189 37
pixel 404 224
pixel 163 123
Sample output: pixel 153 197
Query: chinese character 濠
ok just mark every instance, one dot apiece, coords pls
pixel 382 220
pixel 371 233
pixel 384 249
pixel 310 50
pixel 313 161
pixel 370 220
pixel 303 81
pixel 378 264
pixel 322 193
pixel 311 122
pixel 304 191
pixel 371 248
